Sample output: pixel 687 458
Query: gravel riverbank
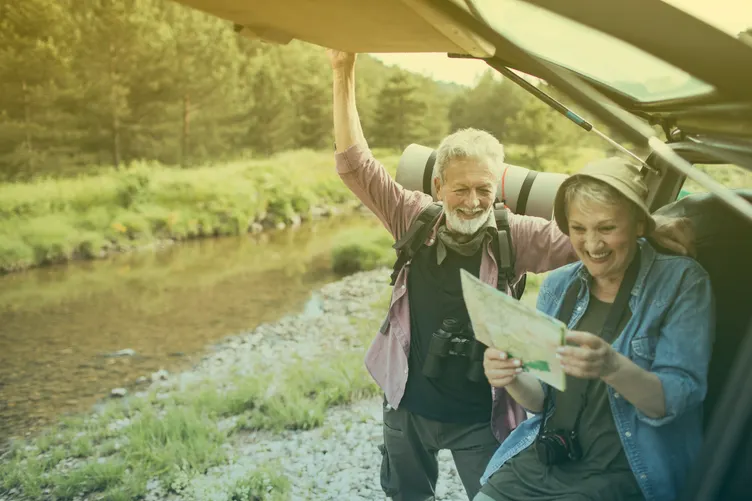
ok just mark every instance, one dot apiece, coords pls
pixel 337 460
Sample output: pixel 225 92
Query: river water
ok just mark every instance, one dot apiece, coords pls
pixel 60 326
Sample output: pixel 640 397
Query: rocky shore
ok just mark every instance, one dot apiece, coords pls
pixel 337 460
pixel 340 460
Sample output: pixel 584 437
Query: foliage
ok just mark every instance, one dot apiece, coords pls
pixel 53 220
pixel 93 83
pixel 363 251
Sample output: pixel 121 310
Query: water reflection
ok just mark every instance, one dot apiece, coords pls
pixel 58 325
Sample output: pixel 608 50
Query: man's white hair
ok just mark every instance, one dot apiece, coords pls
pixel 470 143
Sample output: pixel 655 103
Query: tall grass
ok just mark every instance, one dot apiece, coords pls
pixel 54 220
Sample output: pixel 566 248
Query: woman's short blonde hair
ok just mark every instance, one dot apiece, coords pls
pixel 591 192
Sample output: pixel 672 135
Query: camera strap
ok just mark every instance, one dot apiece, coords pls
pixel 615 315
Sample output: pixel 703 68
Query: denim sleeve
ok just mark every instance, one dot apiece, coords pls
pixel 684 348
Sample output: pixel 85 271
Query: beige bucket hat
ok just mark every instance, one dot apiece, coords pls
pixel 618 173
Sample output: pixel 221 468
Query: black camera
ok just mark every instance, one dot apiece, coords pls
pixel 454 339
pixel 558 446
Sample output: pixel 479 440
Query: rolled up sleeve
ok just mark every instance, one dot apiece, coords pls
pixel 684 348
pixel 367 178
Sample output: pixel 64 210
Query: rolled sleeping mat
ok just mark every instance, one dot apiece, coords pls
pixel 523 190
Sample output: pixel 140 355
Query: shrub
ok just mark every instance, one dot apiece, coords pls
pixel 363 251
pixel 15 254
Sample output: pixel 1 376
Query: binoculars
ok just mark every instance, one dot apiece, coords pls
pixel 455 339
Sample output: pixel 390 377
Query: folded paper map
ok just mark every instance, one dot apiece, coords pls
pixel 521 331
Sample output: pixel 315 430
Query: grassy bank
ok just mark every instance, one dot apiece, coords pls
pixel 170 437
pixel 52 221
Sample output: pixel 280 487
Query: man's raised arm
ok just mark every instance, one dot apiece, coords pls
pixel 395 206
pixel 347 128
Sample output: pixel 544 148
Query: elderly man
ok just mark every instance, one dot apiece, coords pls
pixel 423 414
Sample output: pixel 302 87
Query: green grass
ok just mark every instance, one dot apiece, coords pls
pixel 264 483
pixel 50 221
pixel 175 438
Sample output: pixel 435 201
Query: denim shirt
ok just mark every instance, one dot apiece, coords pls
pixel 670 334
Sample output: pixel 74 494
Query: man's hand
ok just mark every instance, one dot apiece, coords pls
pixel 590 358
pixel 675 234
pixel 500 370
pixel 341 60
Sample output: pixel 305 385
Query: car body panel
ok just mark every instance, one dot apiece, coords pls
pixel 383 26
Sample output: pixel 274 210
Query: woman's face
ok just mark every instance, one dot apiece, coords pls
pixel 604 237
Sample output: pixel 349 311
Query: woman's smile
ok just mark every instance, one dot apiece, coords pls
pixel 598 257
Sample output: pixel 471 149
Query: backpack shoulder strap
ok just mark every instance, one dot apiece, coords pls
pixel 415 236
pixel 503 248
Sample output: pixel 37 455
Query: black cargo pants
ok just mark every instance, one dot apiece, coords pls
pixel 409 467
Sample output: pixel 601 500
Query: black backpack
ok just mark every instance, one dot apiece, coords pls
pixel 415 237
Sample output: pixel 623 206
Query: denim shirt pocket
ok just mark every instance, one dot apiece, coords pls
pixel 643 350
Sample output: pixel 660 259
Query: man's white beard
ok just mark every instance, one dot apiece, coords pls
pixel 456 224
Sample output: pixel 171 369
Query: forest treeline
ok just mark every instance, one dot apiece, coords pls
pixel 90 83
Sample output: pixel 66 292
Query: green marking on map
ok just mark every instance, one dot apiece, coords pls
pixel 538 365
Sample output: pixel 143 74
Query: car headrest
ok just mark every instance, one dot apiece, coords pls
pixel 723 241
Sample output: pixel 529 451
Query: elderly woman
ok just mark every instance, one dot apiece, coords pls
pixel 629 424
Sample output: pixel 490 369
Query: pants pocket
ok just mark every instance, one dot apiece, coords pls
pixel 389 483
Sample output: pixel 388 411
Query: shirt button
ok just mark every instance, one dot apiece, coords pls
pixel 405 371
pixel 403 286
pixel 628 434
pixel 643 477
pixel 616 395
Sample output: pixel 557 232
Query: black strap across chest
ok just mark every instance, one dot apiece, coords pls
pixel 614 318
pixel 409 244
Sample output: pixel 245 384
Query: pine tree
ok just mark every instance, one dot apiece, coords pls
pixel 34 55
pixel 314 105
pixel 400 113
pixel 271 117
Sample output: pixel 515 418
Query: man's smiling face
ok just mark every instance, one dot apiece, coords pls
pixel 468 191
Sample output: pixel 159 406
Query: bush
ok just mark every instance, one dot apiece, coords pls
pixel 91 244
pixel 15 254
pixel 52 238
pixel 363 251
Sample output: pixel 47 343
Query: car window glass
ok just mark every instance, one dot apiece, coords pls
pixel 590 52
pixel 731 176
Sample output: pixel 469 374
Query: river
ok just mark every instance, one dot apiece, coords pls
pixel 60 326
